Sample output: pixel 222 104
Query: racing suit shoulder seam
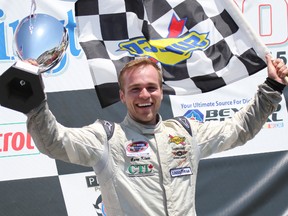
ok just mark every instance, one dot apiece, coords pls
pixel 184 122
pixel 109 128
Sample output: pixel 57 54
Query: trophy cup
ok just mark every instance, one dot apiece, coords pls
pixel 40 42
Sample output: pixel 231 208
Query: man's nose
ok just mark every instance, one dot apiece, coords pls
pixel 144 93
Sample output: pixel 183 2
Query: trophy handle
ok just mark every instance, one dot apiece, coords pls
pixel 21 87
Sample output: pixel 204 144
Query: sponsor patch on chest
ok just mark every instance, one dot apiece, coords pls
pixel 180 171
pixel 138 149
pixel 138 170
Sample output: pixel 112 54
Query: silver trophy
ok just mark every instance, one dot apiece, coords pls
pixel 40 42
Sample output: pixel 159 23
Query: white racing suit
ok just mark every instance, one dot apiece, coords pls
pixel 143 169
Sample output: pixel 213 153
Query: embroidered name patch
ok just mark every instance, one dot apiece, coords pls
pixel 182 171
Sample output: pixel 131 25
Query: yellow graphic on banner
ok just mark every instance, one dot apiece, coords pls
pixel 169 51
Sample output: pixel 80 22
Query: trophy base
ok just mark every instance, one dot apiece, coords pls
pixel 21 87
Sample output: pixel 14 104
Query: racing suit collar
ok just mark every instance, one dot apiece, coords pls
pixel 142 128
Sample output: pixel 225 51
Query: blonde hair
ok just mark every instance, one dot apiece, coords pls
pixel 135 64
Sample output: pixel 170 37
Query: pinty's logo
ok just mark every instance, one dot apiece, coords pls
pixel 171 50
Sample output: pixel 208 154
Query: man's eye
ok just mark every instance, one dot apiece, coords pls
pixel 134 90
pixel 152 88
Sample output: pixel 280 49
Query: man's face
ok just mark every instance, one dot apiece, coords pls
pixel 142 93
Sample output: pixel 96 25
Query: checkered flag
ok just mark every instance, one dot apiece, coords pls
pixel 200 45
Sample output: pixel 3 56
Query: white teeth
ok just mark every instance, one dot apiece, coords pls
pixel 144 105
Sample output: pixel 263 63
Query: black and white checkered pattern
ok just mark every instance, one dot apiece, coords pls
pixel 233 52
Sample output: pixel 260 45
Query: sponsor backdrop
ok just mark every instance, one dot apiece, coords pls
pixel 248 180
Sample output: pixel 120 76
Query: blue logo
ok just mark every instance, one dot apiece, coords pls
pixel 194 114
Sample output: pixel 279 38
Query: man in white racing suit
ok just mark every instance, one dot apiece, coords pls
pixel 145 165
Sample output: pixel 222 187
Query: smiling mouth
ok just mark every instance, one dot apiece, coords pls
pixel 144 105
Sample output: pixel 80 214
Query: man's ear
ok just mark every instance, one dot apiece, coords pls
pixel 122 96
